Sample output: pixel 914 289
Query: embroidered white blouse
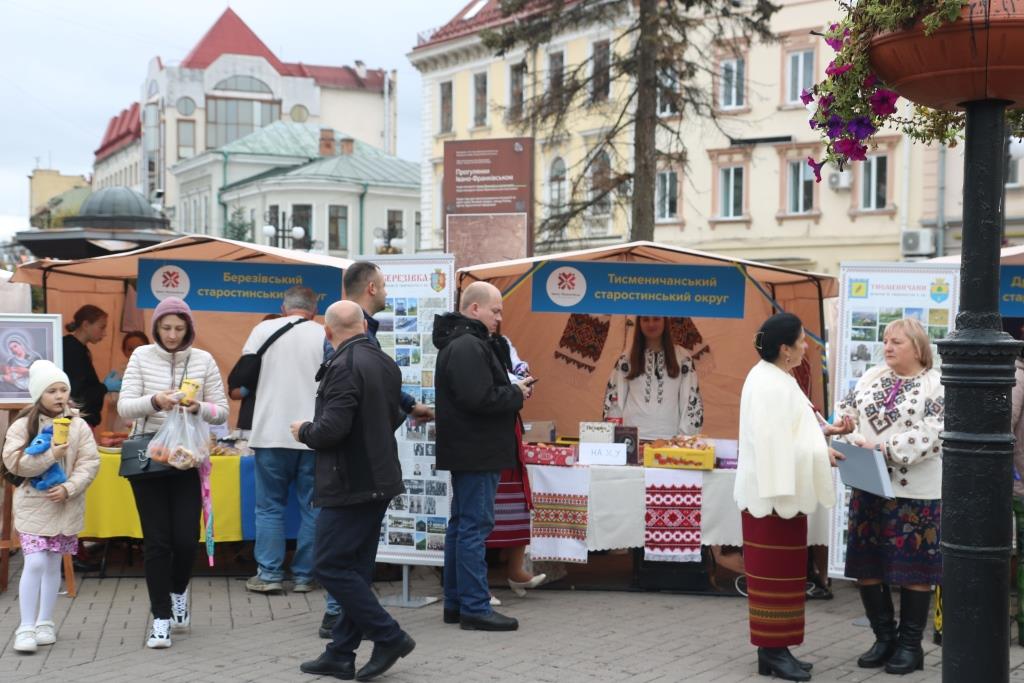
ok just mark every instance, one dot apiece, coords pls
pixel 904 415
pixel 783 457
pixel 659 406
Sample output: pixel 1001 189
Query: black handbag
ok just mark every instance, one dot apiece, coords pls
pixel 246 373
pixel 135 460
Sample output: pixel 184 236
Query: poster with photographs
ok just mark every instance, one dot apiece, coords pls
pixel 871 296
pixel 417 290
pixel 24 339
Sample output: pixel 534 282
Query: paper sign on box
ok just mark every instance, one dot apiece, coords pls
pixel 602 453
pixel 597 432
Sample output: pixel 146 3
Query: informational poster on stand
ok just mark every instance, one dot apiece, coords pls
pixel 872 295
pixel 417 289
pixel 488 199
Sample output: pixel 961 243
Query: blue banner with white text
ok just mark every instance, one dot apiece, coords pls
pixel 639 289
pixel 233 286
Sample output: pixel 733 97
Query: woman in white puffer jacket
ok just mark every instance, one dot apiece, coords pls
pixel 169 505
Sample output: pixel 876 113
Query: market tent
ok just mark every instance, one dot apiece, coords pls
pixel 108 282
pixel 574 358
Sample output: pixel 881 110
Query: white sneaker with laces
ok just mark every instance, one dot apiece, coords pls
pixel 160 634
pixel 46 633
pixel 25 639
pixel 179 611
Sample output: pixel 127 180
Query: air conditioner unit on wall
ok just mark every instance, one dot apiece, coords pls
pixel 917 243
pixel 840 180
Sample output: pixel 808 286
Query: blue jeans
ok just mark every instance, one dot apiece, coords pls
pixel 276 470
pixel 469 525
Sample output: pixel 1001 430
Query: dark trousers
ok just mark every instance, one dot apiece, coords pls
pixel 169 509
pixel 346 548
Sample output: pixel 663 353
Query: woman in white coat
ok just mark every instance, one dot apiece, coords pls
pixel 169 505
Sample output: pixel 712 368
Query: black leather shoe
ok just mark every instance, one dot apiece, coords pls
pixel 779 662
pixel 327 625
pixel 329 665
pixel 489 622
pixel 806 666
pixel 914 613
pixel 385 656
pixel 451 616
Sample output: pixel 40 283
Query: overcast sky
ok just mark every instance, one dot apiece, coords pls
pixel 67 66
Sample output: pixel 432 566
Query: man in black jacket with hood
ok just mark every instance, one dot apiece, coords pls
pixel 357 474
pixel 477 408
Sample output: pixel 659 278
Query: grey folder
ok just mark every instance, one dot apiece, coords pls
pixel 864 469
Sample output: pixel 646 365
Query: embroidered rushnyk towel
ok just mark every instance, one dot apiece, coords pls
pixel 559 527
pixel 615 517
pixel 673 514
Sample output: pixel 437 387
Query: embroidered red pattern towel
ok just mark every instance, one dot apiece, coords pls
pixel 672 519
pixel 559 528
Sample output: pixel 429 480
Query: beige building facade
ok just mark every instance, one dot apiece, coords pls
pixel 745 190
pixel 46 183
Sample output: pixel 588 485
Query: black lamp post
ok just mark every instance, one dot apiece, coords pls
pixel 978 373
pixel 390 240
pixel 283 236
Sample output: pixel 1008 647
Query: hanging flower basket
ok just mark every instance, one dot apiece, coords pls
pixel 980 56
pixel 938 54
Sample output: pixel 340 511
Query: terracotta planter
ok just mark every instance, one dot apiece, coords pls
pixel 979 57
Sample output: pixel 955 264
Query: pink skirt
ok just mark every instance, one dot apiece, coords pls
pixel 61 544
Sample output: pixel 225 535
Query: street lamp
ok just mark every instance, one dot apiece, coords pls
pixel 390 240
pixel 281 235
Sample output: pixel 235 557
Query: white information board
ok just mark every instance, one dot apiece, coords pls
pixel 871 296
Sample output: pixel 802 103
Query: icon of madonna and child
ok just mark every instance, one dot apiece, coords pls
pixel 21 344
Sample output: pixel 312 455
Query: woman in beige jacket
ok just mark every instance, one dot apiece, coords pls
pixel 48 515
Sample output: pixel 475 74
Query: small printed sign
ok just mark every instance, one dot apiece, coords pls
pixel 603 454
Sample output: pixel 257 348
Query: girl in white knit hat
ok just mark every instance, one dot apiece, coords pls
pixel 59 461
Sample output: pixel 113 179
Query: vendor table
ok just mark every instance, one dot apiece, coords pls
pixel 110 506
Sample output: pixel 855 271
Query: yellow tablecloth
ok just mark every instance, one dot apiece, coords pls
pixel 110 506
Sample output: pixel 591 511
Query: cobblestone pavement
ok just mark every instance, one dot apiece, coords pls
pixel 565 636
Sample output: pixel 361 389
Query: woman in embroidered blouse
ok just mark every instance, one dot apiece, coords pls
pixel 897 408
pixel 783 474
pixel 652 390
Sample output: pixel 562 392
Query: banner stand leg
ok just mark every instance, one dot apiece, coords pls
pixel 405 600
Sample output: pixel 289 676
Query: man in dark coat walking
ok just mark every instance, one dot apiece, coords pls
pixel 357 475
pixel 477 408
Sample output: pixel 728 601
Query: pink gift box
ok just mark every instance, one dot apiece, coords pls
pixel 544 454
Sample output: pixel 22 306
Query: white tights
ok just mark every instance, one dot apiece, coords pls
pixel 37 592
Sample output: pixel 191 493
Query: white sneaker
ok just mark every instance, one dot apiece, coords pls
pixel 25 639
pixel 179 611
pixel 46 633
pixel 160 635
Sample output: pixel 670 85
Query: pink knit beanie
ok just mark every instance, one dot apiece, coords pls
pixel 172 305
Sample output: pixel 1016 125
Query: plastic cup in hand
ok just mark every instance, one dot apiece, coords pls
pixel 61 428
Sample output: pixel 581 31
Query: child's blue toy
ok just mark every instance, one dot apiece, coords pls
pixel 55 474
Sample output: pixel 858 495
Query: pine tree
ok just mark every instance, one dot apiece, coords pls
pixel 660 60
pixel 238 228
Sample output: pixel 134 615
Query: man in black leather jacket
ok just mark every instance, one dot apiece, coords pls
pixel 476 439
pixel 357 474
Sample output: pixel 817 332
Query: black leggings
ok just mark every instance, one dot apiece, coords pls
pixel 169 509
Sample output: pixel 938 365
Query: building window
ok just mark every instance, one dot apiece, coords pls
pixel 874 176
pixel 666 196
pixel 801 187
pixel 668 92
pixel 557 187
pixel 228 120
pixel 418 227
pixel 446 107
pixel 337 227
pixel 195 215
pixel 516 90
pixel 206 215
pixel 299 113
pixel 186 139
pixel 556 76
pixel 600 83
pixel 185 106
pixel 600 182
pixel 479 99
pixel 1013 173
pixel 394 222
pixel 302 217
pixel 731 74
pixel 244 84
pixel 730 199
pixel 800 74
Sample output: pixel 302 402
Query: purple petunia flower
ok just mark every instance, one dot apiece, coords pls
pixel 834 126
pixel 860 127
pixel 851 149
pixel 806 97
pixel 813 123
pixel 883 102
pixel 816 167
pixel 833 70
pixel 870 81
pixel 836 42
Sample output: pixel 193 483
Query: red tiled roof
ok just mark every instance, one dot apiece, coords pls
pixel 230 35
pixel 122 130
pixel 489 16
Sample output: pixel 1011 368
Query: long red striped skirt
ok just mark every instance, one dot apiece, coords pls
pixel 775 557
pixel 512 504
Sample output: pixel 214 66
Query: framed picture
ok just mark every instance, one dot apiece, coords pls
pixel 24 339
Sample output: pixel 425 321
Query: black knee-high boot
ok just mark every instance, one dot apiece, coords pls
pixel 878 607
pixel 914 610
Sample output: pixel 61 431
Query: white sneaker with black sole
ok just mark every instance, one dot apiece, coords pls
pixel 179 611
pixel 160 634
